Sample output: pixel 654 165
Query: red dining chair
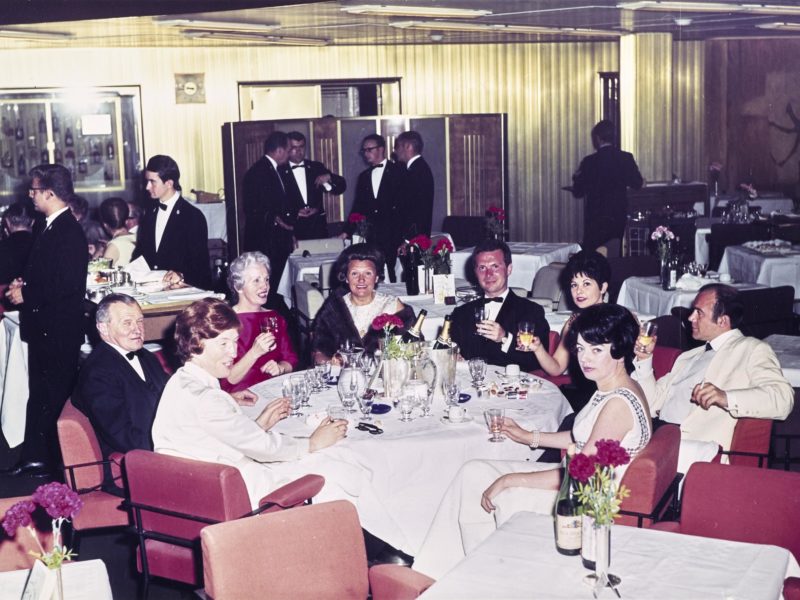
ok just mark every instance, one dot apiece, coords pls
pixel 173 498
pixel 652 477
pixel 17 552
pixel 663 359
pixel 750 443
pixel 83 472
pixel 554 339
pixel 315 552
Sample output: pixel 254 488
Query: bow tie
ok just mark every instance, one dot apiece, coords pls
pixel 130 355
pixel 487 300
pixel 162 206
pixel 300 166
pixel 709 346
pixel 380 166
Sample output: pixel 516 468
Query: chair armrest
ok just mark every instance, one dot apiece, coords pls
pixel 671 526
pixel 791 588
pixel 292 494
pixel 393 582
pixel 115 460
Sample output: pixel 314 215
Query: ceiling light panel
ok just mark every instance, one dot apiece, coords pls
pixel 393 10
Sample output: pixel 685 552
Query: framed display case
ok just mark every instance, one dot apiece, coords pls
pixel 96 133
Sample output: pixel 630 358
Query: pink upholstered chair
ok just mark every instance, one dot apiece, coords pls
pixel 663 359
pixel 315 552
pixel 83 472
pixel 652 477
pixel 750 443
pixel 15 552
pixel 173 498
pixel 390 582
pixel 554 339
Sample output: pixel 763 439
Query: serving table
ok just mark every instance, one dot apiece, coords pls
pixel 519 560
pixel 413 463
pixel 768 268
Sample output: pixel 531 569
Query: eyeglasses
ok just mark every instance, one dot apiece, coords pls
pixel 33 190
pixel 369 149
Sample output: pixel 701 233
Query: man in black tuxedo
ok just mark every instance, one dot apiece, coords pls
pixel 306 181
pixel 494 337
pixel 270 213
pixel 120 383
pixel 50 298
pixel 604 178
pixel 417 198
pixel 173 234
pixel 379 199
pixel 16 246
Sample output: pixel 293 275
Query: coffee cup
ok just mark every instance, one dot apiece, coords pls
pixel 456 414
pixel 512 370
pixel 724 278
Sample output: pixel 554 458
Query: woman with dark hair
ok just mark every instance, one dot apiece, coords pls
pixel 113 215
pixel 196 419
pixel 264 349
pixel 602 337
pixel 347 313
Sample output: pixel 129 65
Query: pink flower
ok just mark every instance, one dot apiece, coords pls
pixel 356 218
pixel 611 454
pixel 422 241
pixel 715 167
pixel 497 212
pixel 386 321
pixel 58 500
pixel 19 515
pixel 443 246
pixel 581 467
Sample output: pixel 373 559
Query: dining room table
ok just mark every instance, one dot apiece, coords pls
pixel 519 560
pixel 787 349
pixel 526 257
pixel 772 264
pixel 412 463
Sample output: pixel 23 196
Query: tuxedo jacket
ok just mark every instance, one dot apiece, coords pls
pixel 417 199
pixel 119 404
pixel 746 369
pixel 513 310
pixel 184 245
pixel 315 227
pixel 265 198
pixel 55 285
pixel 14 252
pixel 603 178
pixel 384 212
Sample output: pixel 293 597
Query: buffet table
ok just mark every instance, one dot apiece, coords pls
pixel 519 560
pixel 413 463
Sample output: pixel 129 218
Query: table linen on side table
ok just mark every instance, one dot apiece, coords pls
pixel 412 464
pixel 519 560
pixel 787 349
pixel 744 264
pixel 83 580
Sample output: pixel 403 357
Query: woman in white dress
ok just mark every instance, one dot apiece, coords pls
pixel 485 494
pixel 113 215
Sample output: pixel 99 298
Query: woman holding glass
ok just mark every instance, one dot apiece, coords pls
pixel 484 494
pixel 347 314
pixel 264 349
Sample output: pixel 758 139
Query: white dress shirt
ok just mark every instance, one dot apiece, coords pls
pixel 300 177
pixel 491 310
pixel 135 363
pixel 377 175
pixel 163 216
pixel 49 220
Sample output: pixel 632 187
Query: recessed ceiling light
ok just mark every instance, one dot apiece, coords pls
pixel 244 36
pixel 394 10
pixel 691 6
pixel 683 21
pixel 214 25
pixel 36 35
pixel 501 28
pixel 785 26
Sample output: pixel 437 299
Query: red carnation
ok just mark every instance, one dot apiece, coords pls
pixel 386 321
pixel 497 213
pixel 356 218
pixel 442 246
pixel 422 241
pixel 581 467
pixel 611 454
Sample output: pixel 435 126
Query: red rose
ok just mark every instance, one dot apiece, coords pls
pixel 356 218
pixel 611 454
pixel 443 245
pixel 581 467
pixel 384 320
pixel 422 240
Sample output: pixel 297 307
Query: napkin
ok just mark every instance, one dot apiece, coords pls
pixel 689 282
pixel 141 273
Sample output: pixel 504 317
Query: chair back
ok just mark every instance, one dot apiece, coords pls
pixel 663 359
pixel 742 504
pixel 546 288
pixel 314 552
pixel 319 246
pixel 79 446
pixel 650 477
pixel 768 311
pixel 324 277
pixel 465 231
pixel 751 437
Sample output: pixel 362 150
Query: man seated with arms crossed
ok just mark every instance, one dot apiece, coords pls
pixel 711 386
pixel 493 337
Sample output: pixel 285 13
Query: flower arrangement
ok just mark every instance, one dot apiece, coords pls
pixel 393 346
pixel 496 222
pixel 441 257
pixel 663 238
pixel 596 489
pixel 423 245
pixel 360 223
pixel 61 503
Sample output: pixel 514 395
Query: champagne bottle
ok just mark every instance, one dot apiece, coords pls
pixel 415 333
pixel 567 513
pixel 443 342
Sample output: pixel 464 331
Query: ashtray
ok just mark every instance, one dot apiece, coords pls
pixel 380 409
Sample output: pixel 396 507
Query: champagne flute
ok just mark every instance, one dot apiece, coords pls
pixel 647 335
pixel 525 334
pixel 480 315
pixel 477 370
pixel 494 421
pixel 365 404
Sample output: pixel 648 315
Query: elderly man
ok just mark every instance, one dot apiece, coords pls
pixel 711 386
pixel 50 298
pixel 493 337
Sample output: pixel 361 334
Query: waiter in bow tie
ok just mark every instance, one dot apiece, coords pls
pixel 494 336
pixel 306 183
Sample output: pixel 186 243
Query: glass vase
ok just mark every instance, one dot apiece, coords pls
pixel 395 375
pixel 596 555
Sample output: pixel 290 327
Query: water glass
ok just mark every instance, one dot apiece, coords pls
pixel 525 334
pixel 296 400
pixel 480 314
pixel 269 325
pixel 365 404
pixel 352 384
pixel 494 421
pixel 647 334
pixel 451 391
pixel 406 406
pixel 337 412
pixel 477 370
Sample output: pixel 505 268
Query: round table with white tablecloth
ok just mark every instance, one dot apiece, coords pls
pixel 413 463
pixel 767 267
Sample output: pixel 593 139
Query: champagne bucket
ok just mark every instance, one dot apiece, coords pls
pixel 445 361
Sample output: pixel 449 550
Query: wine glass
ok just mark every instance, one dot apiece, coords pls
pixel 480 314
pixel 494 420
pixel 352 384
pixel 296 399
pixel 525 334
pixel 451 390
pixel 406 406
pixel 269 325
pixel 477 370
pixel 365 404
pixel 647 334
pixel 702 269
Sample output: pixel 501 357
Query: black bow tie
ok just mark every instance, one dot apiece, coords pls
pixel 300 166
pixel 380 166
pixel 487 300
pixel 162 206
pixel 709 346
pixel 130 355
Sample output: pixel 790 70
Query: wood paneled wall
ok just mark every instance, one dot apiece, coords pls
pixel 549 92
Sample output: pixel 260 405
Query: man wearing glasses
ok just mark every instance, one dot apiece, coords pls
pixel 378 199
pixel 50 299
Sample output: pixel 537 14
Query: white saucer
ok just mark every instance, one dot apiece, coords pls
pixel 446 420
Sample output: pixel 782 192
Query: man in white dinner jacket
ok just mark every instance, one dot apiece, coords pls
pixel 732 376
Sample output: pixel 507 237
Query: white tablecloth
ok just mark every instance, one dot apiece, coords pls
pixel 299 265
pixel 769 203
pixel 519 560
pixel 643 295
pixel 413 463
pixel 748 265
pixel 216 219
pixel 787 349
pixel 84 580
pixel 13 380
pixel 527 258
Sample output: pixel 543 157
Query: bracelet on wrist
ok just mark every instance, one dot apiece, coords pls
pixel 535 441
